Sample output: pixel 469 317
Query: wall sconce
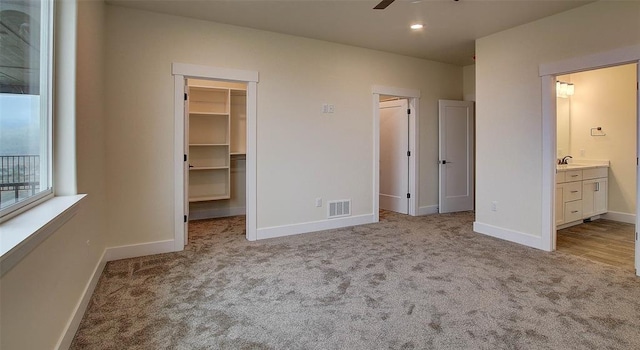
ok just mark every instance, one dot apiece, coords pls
pixel 564 90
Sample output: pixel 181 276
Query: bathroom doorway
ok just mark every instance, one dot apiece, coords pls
pixel 595 191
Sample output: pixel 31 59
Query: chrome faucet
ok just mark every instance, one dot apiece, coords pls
pixel 564 160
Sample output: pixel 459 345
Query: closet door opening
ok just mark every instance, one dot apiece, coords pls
pixel 216 150
pixel 395 150
pixel 394 154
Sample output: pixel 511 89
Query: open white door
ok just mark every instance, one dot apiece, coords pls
pixel 456 155
pixel 186 162
pixel 637 251
pixel 394 157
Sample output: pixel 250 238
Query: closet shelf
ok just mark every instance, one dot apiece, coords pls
pixel 208 198
pixel 208 114
pixel 208 144
pixel 209 168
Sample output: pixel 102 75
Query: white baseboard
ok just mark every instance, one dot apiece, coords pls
pixel 109 254
pixel 428 210
pixel 508 235
pixel 136 250
pixel 621 217
pixel 216 213
pixel 288 230
pixel 72 326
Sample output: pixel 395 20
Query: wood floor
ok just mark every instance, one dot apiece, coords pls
pixel 606 241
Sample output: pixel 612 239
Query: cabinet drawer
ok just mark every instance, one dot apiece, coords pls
pixel 573 175
pixel 595 173
pixel 573 211
pixel 572 191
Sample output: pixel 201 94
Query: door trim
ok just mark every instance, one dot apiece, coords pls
pixel 182 71
pixel 547 73
pixel 413 96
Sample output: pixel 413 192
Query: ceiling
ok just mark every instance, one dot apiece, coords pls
pixel 451 27
pixel 449 33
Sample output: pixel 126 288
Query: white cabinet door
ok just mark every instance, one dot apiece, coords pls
pixel 594 197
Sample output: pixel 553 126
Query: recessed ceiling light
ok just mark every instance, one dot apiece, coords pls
pixel 416 26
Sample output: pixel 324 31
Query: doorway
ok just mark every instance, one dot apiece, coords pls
pixel 215 132
pixel 394 154
pixel 548 74
pixel 182 72
pixel 595 192
pixel 410 154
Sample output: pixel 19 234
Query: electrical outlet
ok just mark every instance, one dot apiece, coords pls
pixel 318 202
pixel 494 206
pixel 325 108
pixel 331 108
pixel 582 153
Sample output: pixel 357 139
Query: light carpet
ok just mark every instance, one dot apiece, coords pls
pixel 405 283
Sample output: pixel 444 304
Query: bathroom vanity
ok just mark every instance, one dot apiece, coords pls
pixel 581 193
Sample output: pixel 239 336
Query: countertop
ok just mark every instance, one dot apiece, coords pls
pixel 565 167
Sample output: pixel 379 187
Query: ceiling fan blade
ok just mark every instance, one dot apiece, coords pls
pixel 383 4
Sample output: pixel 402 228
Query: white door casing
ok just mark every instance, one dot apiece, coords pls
pixel 414 145
pixel 547 73
pixel 181 72
pixel 456 132
pixel 394 159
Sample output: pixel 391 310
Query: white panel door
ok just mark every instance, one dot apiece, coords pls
pixel 637 251
pixel 186 163
pixel 456 155
pixel 394 161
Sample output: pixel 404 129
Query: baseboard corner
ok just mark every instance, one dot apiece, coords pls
pixel 81 307
pixel 140 249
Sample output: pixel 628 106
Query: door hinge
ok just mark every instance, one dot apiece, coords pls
pixel 408 111
pixel 408 195
pixel 185 96
pixel 185 157
pixel 408 153
pixel 185 218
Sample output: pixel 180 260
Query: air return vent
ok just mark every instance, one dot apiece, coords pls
pixel 339 208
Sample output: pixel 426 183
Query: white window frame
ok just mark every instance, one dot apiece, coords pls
pixel 34 223
pixel 46 112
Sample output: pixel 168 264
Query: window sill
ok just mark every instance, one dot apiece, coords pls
pixel 21 234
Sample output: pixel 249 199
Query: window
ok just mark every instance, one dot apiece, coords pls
pixel 25 103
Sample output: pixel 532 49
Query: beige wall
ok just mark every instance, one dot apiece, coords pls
pixel 607 98
pixel 39 295
pixel 469 82
pixel 509 115
pixel 302 153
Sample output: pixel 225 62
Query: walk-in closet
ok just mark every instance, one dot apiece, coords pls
pixel 216 116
